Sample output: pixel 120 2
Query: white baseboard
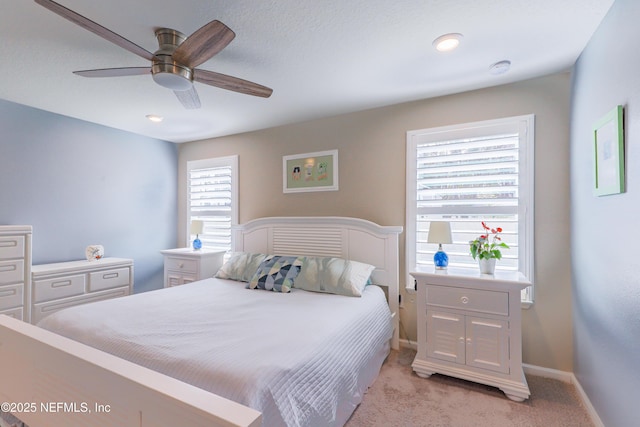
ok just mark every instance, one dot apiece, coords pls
pixel 408 344
pixel 570 378
pixel 539 371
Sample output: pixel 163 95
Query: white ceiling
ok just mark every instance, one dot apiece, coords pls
pixel 320 57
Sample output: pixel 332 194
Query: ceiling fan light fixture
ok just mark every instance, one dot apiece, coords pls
pixel 172 76
pixel 447 42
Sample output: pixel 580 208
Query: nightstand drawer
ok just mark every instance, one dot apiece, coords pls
pixel 61 287
pixel 491 302
pixel 11 296
pixel 108 279
pixel 181 264
pixel 11 271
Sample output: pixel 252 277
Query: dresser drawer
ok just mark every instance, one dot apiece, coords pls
pixel 16 313
pixel 107 279
pixel 181 264
pixel 67 286
pixel 11 296
pixel 11 246
pixel 491 302
pixel 42 310
pixel 11 271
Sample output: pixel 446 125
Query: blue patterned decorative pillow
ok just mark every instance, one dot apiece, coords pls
pixel 276 273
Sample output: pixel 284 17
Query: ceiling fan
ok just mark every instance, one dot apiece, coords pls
pixel 174 64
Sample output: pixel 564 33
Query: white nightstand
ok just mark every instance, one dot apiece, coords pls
pixel 469 326
pixel 186 265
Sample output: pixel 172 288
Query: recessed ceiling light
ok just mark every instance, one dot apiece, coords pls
pixel 447 42
pixel 500 67
pixel 154 118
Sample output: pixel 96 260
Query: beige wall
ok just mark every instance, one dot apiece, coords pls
pixel 371 156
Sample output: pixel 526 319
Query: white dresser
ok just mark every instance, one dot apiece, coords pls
pixel 15 267
pixel 185 265
pixel 469 326
pixel 66 284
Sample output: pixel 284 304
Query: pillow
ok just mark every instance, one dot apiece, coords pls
pixel 276 273
pixel 333 275
pixel 240 266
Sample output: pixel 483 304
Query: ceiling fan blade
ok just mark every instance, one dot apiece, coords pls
pixel 189 98
pixel 231 83
pixel 203 44
pixel 114 72
pixel 95 28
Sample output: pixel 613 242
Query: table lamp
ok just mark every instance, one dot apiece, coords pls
pixel 440 232
pixel 196 228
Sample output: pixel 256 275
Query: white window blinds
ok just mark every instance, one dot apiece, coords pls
pixel 467 174
pixel 212 193
pixel 464 182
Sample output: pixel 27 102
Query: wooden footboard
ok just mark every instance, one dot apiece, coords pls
pixel 49 380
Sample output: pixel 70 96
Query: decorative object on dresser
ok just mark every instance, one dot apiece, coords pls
pixel 440 232
pixel 15 270
pixel 197 227
pixel 185 265
pixel 469 326
pixel 94 252
pixel 66 284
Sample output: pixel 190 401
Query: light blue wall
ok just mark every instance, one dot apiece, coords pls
pixel 79 183
pixel 605 231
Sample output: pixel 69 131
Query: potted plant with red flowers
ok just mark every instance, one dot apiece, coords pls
pixel 486 248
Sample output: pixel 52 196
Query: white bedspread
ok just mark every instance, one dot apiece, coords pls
pixel 302 359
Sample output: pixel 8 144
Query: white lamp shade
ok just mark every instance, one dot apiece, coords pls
pixel 439 232
pixel 197 227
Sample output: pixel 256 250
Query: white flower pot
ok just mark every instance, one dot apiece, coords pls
pixel 487 266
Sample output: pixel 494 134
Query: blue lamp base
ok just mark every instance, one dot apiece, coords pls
pixel 441 259
pixel 197 244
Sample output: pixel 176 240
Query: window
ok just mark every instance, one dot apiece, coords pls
pixel 212 188
pixel 465 174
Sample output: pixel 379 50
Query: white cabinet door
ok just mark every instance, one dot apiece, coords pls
pixel 466 340
pixel 446 336
pixel 487 344
pixel 175 278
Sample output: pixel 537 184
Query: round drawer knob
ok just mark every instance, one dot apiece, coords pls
pixel 464 300
pixel 180 265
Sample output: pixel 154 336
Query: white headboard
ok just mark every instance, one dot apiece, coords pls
pixel 341 237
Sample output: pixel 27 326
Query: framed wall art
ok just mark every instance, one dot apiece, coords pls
pixel 608 134
pixel 310 172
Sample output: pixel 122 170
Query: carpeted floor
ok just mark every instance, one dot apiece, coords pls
pixel 399 398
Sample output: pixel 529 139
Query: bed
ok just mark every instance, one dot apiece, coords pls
pixel 250 357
